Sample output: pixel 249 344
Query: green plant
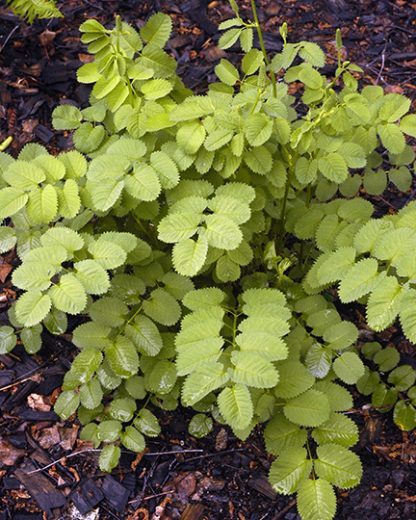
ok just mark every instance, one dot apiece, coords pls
pixel 199 237
pixel 32 9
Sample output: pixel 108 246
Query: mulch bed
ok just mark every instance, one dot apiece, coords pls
pixel 42 472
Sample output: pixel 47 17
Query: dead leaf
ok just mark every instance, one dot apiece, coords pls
pixel 38 402
pixel 68 436
pixel 9 454
pixel 5 270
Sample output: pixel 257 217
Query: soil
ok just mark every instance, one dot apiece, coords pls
pixel 42 472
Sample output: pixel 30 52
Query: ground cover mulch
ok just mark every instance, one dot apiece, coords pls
pixel 45 472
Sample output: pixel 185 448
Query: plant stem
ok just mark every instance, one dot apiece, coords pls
pixel 263 48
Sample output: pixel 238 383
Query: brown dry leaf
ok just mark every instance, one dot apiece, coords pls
pixel 48 437
pixel 221 440
pixel 69 436
pixel 185 485
pixel 47 37
pixel 9 454
pixel 38 402
pixel 5 270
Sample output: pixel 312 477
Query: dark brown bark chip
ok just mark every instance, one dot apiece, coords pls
pixel 40 488
pixel 87 496
pixel 115 494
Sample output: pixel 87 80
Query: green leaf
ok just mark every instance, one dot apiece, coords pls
pixel 145 335
pixel 391 138
pixel 156 88
pixel 359 280
pixel 109 458
pixel 259 160
pixel 92 276
pixel 394 106
pixel 335 265
pixel 281 435
pixel 91 335
pixel 258 129
pixel 289 471
pixel 228 39
pixel 309 409
pixel 157 30
pixel 408 125
pixel 227 73
pixel 122 357
pixel 177 227
pixel 408 315
pixel 88 138
pixel 251 370
pixel 68 295
pixel 316 500
pixel 203 381
pixel 147 423
pixel 313 54
pixel 162 377
pixel 294 380
pixel 91 394
pixel 236 406
pixel 306 170
pixel 341 335
pixel 109 430
pixel 107 254
pixel 67 404
pixel 66 117
pixel 387 359
pixel 188 256
pixel 32 307
pixel 200 425
pixel 339 429
pixel 217 139
pixel 191 136
pixel 162 307
pixel 166 169
pixel 404 415
pixel 349 367
pixel 222 233
pixel 251 61
pixel 7 239
pixel 11 201
pixel 333 167
pixel 402 377
pixel 338 465
pixel 43 205
pixel 122 409
pixel 384 303
pixel 8 339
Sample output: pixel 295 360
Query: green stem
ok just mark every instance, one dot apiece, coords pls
pixel 263 48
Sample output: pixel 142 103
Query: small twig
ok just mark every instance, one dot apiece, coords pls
pixel 6 41
pixel 20 380
pixel 61 459
pixel 282 513
pixel 174 452
pixel 93 450
pixel 210 455
pixel 383 62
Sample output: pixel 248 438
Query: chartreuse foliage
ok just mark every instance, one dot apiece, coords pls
pixel 204 241
pixel 32 9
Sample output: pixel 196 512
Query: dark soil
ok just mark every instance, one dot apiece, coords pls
pixel 224 478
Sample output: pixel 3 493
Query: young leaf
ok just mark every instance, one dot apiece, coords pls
pixel 316 500
pixel 289 470
pixel 236 406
